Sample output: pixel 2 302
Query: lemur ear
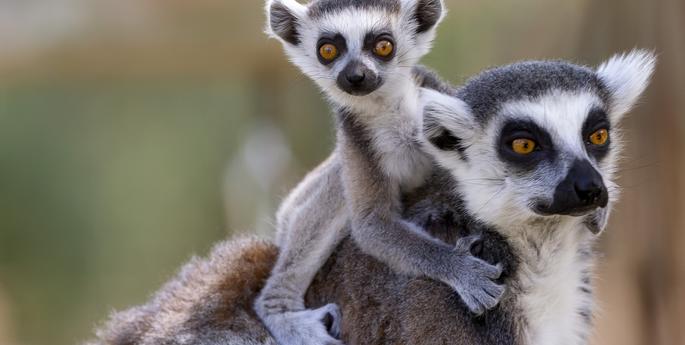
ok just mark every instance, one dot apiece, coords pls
pixel 626 76
pixel 428 13
pixel 447 121
pixel 283 17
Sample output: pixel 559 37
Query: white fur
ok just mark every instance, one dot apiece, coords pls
pixel 553 249
pixel 627 76
pixel 391 113
pixel 551 278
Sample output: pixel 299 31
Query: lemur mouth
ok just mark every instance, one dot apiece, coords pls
pixel 362 88
pixel 544 209
pixel 357 79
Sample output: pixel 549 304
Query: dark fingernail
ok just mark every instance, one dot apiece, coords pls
pixel 477 248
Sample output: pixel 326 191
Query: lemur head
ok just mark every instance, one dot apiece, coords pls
pixel 537 140
pixel 352 48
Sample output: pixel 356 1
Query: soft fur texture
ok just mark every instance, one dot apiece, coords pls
pixel 541 200
pixel 377 157
pixel 547 259
pixel 209 301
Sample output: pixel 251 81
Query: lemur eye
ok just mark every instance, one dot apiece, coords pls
pixel 599 137
pixel 523 146
pixel 328 51
pixel 383 48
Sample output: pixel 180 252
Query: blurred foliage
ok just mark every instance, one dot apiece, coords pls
pixel 135 133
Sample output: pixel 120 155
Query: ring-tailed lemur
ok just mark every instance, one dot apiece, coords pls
pixel 532 148
pixel 362 53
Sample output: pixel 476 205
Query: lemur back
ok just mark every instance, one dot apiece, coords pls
pixel 362 54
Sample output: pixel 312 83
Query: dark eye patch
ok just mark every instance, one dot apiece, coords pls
pixel 335 39
pixel 370 40
pixel 597 119
pixel 525 129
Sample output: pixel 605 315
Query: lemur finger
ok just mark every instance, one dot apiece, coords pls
pixel 495 291
pixel 488 301
pixel 474 306
pixel 466 243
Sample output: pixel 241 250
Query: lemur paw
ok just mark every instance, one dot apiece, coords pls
pixel 319 326
pixel 332 320
pixel 474 278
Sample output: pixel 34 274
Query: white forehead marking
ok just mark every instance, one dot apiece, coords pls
pixel 561 113
pixel 354 24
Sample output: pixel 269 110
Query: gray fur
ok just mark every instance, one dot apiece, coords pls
pixel 320 8
pixel 378 156
pixel 208 302
pixel 487 91
pixel 553 104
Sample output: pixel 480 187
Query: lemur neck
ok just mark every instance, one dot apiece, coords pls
pixel 553 281
pixel 388 122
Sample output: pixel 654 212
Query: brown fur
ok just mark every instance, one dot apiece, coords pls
pixel 210 301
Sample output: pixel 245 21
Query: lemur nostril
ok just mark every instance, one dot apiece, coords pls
pixel 588 193
pixel 356 78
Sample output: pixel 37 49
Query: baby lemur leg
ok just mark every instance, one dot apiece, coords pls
pixel 311 224
pixel 375 206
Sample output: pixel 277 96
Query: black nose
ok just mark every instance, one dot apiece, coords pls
pixel 589 189
pixel 580 192
pixel 358 79
pixel 355 76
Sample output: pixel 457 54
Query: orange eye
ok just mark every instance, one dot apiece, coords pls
pixel 523 146
pixel 383 48
pixel 328 51
pixel 599 137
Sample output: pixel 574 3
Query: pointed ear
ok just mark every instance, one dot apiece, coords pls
pixel 283 18
pixel 428 14
pixel 447 121
pixel 626 77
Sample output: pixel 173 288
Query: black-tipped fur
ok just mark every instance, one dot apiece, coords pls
pixel 283 23
pixel 428 13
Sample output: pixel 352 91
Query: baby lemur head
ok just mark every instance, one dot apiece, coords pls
pixel 352 48
pixel 537 140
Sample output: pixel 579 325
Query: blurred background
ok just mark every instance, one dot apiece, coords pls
pixel 136 133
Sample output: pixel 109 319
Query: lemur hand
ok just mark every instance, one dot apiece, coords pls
pixel 307 327
pixel 474 278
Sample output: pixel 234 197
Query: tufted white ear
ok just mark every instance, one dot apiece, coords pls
pixel 447 121
pixel 425 16
pixel 626 76
pixel 282 20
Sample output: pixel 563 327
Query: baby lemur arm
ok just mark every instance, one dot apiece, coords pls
pixel 375 207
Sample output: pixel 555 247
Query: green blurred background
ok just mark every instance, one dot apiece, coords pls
pixel 136 133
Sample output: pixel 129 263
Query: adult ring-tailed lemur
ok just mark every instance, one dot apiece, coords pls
pixel 532 151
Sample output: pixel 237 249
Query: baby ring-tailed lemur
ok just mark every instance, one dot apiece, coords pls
pixel 532 148
pixel 362 53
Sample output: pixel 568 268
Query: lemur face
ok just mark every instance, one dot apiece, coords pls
pixel 352 48
pixel 536 139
